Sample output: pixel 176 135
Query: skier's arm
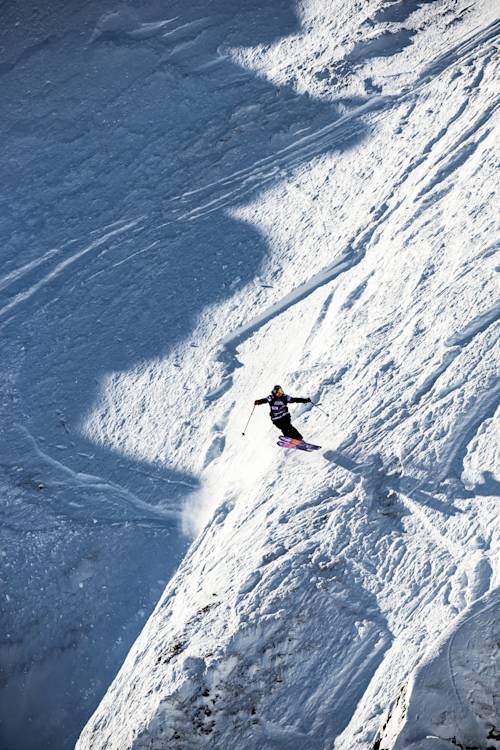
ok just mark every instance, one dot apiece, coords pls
pixel 260 401
pixel 298 400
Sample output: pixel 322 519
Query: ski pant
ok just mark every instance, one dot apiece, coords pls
pixel 287 429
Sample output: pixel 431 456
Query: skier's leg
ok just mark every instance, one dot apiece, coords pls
pixel 293 433
pixel 281 424
pixel 288 430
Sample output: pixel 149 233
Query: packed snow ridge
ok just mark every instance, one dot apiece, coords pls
pixel 296 193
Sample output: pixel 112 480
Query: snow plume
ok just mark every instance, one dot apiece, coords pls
pixel 200 506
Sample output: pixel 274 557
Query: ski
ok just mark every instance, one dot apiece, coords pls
pixel 300 447
pixel 286 442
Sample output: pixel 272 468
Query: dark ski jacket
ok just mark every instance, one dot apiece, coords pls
pixel 278 406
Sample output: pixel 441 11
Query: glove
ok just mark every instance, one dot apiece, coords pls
pixel 308 400
pixel 255 403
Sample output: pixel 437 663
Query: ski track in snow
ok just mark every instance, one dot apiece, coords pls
pixel 263 172
pixel 245 182
pixel 355 253
pixel 93 482
pixel 59 268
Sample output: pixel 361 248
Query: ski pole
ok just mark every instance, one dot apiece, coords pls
pixel 249 418
pixel 319 407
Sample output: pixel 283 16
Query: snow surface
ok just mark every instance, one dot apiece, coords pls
pixel 205 199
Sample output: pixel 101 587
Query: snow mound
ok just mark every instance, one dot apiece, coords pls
pixel 452 699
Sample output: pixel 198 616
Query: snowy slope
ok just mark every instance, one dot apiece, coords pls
pixel 326 593
pixel 108 115
pixel 205 199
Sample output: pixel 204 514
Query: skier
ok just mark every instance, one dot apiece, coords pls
pixel 279 413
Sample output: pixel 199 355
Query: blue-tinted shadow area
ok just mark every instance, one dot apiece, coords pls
pixel 126 131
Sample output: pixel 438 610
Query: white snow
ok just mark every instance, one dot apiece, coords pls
pixel 285 194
